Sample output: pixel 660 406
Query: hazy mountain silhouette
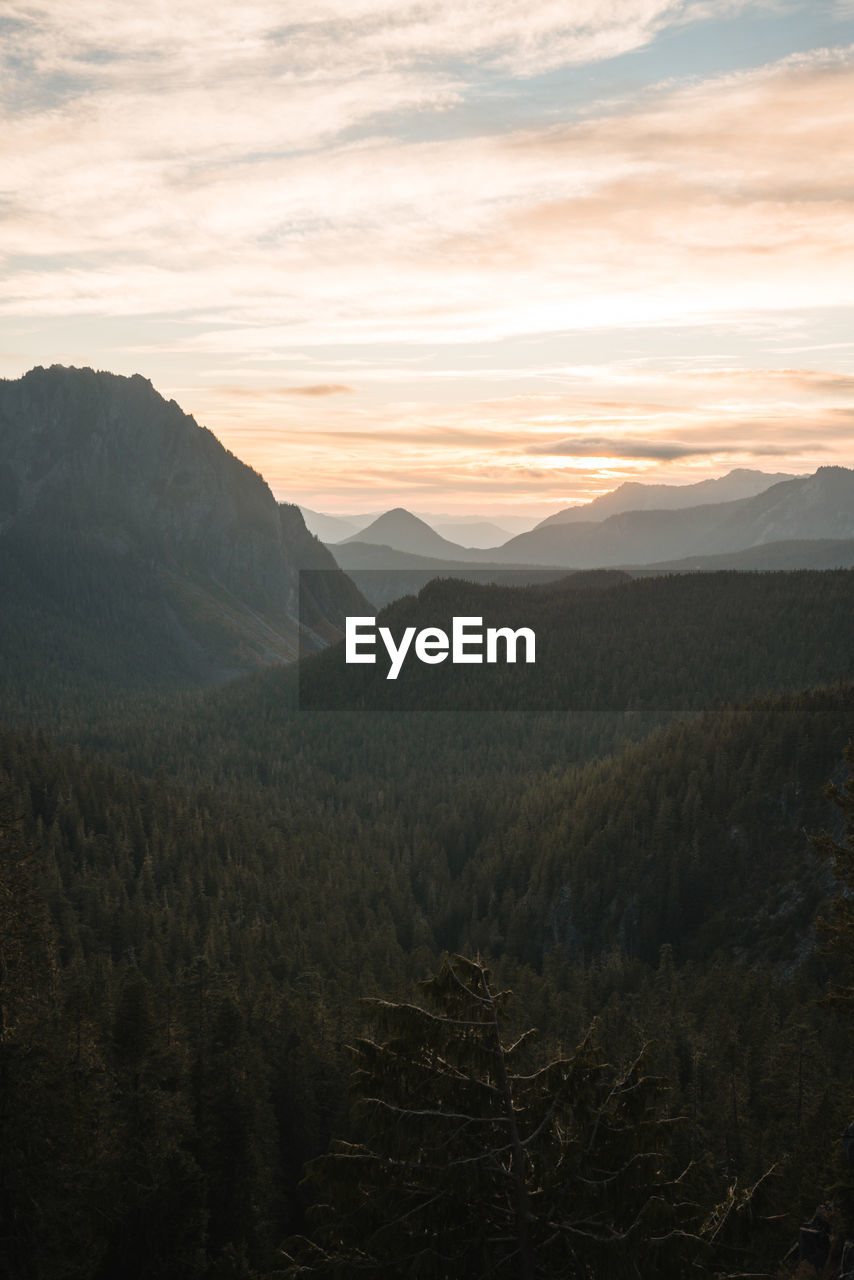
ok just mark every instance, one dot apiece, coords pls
pixel 134 546
pixel 441 521
pixel 634 495
pixel 467 531
pixel 402 531
pixel 330 528
pixel 790 510
pixel 480 534
pixel 818 506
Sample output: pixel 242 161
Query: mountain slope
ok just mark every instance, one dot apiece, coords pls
pixel 171 943
pixel 787 554
pixel 134 547
pixel 633 495
pixel 696 837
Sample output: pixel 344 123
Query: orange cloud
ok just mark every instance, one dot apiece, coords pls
pixel 268 393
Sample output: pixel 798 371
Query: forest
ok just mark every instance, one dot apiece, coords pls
pixel 550 977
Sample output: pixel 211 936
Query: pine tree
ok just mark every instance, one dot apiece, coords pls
pixel 474 1161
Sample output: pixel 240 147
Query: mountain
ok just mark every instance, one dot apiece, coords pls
pixel 803 508
pixel 481 533
pixel 459 525
pixel 134 547
pixel 329 528
pixel 402 531
pixel 808 507
pixel 633 495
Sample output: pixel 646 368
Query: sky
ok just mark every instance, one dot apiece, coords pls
pixel 456 255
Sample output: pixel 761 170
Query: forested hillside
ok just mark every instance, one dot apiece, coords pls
pixel 606 645
pixel 183 960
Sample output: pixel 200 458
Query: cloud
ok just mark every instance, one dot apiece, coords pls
pixel 270 393
pixel 218 40
pixel 256 213
pixel 606 423
pixel 621 447
pixel 316 389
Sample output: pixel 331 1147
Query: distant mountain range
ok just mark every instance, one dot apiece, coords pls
pixel 811 507
pixel 474 531
pixel 471 530
pixel 132 542
pixel 479 533
pixel 633 495
pixel 800 510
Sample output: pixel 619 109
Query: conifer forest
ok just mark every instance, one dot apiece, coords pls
pixel 512 992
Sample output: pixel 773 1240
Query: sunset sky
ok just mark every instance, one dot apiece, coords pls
pixel 458 256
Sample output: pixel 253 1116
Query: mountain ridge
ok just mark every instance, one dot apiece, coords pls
pixel 811 507
pixel 634 495
pixel 131 526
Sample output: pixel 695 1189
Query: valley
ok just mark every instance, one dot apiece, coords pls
pixel 216 878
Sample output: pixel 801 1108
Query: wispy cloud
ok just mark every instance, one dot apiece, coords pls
pixel 272 393
pixel 621 447
pixel 686 205
pixel 547 448
pixel 218 40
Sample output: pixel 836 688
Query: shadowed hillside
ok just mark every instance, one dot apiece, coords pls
pixel 135 548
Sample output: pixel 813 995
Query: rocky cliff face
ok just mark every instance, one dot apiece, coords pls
pixel 129 495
